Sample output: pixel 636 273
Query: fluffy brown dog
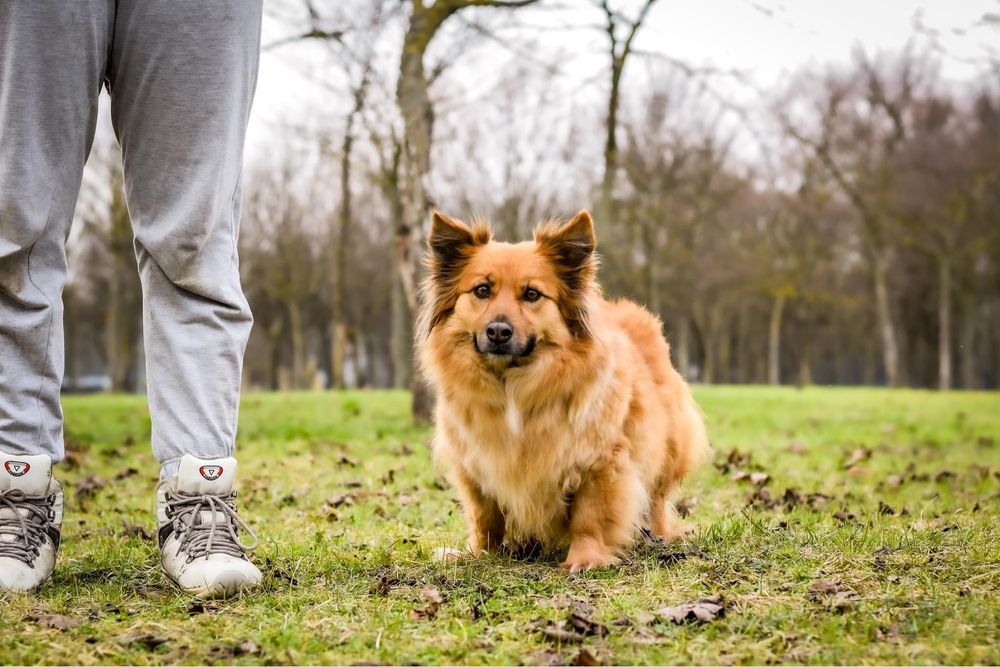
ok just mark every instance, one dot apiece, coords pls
pixel 559 415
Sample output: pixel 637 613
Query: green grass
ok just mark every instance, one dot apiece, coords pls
pixel 920 585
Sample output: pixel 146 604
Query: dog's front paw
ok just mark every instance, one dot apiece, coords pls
pixel 589 557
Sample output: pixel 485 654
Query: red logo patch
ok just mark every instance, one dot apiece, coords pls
pixel 16 468
pixel 211 473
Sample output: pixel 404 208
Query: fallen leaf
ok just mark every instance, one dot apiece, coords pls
pixel 796 447
pixel 128 472
pixel 857 471
pixel 942 475
pixel 702 610
pixel 88 487
pixel 894 481
pixel 669 555
pixel 561 635
pixel 340 499
pixel 791 498
pixel 54 621
pixel 759 478
pixel 586 658
pixel 585 625
pixel 843 515
pixel 434 600
pixel 248 647
pixel 884 508
pixel 825 587
pixel 734 459
pixel 814 499
pixel 685 506
pixel 135 530
pixel 549 657
pixel 857 456
pixel 144 641
pixel 761 497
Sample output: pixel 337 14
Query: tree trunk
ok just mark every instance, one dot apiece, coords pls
pixel 868 372
pixel 606 211
pixel 418 117
pixel 683 350
pixel 298 345
pixel 883 313
pixel 805 364
pixel 712 345
pixel 725 364
pixel 774 341
pixel 401 337
pixel 274 339
pixel 967 344
pixel 653 301
pixel 944 323
pixel 744 338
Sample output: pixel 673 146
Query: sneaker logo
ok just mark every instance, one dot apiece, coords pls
pixel 211 473
pixel 16 468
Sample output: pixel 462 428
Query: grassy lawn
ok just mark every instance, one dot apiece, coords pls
pixel 875 538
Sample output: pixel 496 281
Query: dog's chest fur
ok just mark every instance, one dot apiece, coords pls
pixel 531 459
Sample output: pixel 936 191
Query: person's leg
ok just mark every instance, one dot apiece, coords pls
pixel 182 79
pixel 52 59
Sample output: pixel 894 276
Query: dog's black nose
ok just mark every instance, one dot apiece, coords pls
pixel 499 332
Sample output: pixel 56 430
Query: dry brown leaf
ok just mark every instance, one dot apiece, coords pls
pixel 825 587
pixel 702 610
pixel 340 499
pixel 857 456
pixel 586 658
pixel 54 621
pixel 434 601
pixel 561 635
pixel 248 647
pixel 88 486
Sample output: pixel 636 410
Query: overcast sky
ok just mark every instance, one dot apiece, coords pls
pixel 768 39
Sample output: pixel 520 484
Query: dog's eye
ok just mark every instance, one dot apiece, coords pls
pixel 482 291
pixel 531 294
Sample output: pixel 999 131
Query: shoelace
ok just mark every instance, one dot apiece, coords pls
pixel 29 529
pixel 200 538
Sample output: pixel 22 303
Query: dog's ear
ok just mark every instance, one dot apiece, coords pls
pixel 449 239
pixel 452 243
pixel 570 249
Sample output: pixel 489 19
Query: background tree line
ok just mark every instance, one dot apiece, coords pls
pixel 841 229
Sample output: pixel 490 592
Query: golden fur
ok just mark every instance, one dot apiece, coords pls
pixel 581 439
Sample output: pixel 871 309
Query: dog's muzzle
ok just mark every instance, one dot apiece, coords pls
pixel 498 339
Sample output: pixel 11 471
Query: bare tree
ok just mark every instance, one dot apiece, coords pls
pixel 862 125
pixel 621 32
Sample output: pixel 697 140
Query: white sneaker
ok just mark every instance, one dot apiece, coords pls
pixel 31 511
pixel 199 547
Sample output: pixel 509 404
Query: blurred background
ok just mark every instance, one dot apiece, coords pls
pixel 805 192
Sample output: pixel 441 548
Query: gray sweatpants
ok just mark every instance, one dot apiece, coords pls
pixel 181 74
